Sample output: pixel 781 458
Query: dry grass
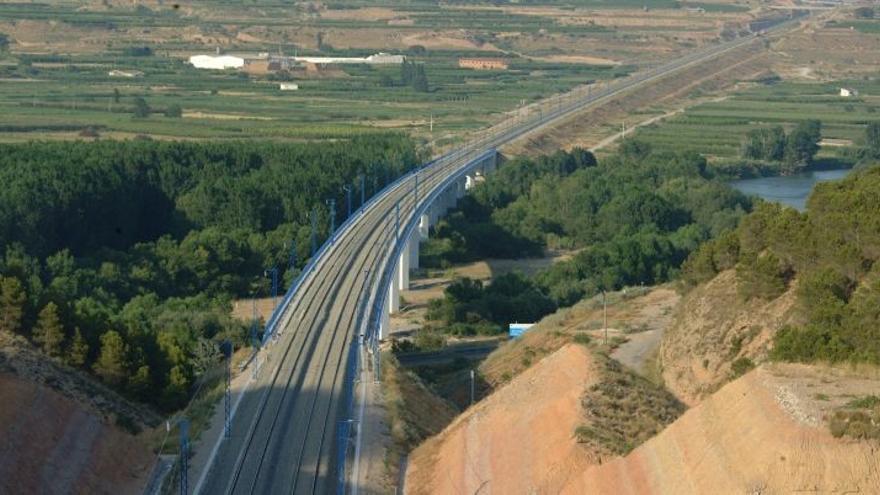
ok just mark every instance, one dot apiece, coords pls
pixel 414 412
pixel 623 410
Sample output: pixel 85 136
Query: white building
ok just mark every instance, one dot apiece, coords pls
pixel 378 58
pixel 847 92
pixel 125 73
pixel 288 86
pixel 216 62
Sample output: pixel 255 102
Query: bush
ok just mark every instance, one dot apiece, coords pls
pixel 762 277
pixel 741 366
pixel 174 111
pixel 428 340
pixel 810 343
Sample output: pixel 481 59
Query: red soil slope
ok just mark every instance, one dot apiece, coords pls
pixel 518 440
pixel 50 444
pixel 759 434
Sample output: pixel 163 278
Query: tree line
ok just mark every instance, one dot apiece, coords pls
pixel 831 250
pixel 122 258
pixel 793 152
pixel 633 219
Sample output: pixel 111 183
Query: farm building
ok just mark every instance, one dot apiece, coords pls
pixel 376 59
pixel 847 92
pixel 483 63
pixel 125 73
pixel 288 86
pixel 216 62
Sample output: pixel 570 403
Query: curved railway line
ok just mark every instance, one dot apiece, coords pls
pixel 284 435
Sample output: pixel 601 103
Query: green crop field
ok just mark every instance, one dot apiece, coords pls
pixel 57 84
pixel 716 129
pixel 69 92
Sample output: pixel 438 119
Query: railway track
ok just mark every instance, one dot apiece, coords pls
pixel 283 437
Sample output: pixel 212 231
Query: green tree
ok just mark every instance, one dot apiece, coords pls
pixel 49 332
pixel 12 301
pixel 175 393
pixel 764 144
pixel 78 353
pixel 872 139
pixel 4 42
pixel 112 363
pixel 174 111
pixel 406 73
pixel 116 95
pixel 420 79
pixel 863 13
pixel 141 108
pixel 139 383
pixel 206 355
pixel 801 146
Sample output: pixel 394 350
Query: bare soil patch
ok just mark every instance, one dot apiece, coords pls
pixel 749 437
pixel 712 328
pixel 491 444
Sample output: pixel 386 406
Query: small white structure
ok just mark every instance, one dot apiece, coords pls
pixel 218 62
pixel 847 92
pixel 376 59
pixel 125 73
pixel 288 86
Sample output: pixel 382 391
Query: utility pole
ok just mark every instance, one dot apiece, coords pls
pixel 472 387
pixel 273 273
pixel 331 205
pixel 605 317
pixel 228 348
pixel 314 237
pixel 431 125
pixel 363 189
pixel 347 190
pixel 397 221
pixel 184 456
pixel 255 341
pixel 416 191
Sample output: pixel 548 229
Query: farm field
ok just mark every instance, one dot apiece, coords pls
pixel 54 80
pixel 717 128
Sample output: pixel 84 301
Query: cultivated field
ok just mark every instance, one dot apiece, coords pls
pixel 54 79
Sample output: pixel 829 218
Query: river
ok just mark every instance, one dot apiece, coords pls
pixel 791 190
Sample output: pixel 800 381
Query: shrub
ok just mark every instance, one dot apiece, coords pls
pixel 174 111
pixel 762 277
pixel 741 366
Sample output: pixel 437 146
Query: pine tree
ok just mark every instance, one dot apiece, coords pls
pixel 111 365
pixel 420 79
pixel 12 300
pixel 78 353
pixel 49 332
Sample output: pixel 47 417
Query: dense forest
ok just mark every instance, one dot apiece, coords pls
pixel 633 219
pixel 122 258
pixel 829 253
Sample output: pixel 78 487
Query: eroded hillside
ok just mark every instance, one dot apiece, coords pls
pixel 763 433
pixel 61 431
pixel 572 409
pixel 714 328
